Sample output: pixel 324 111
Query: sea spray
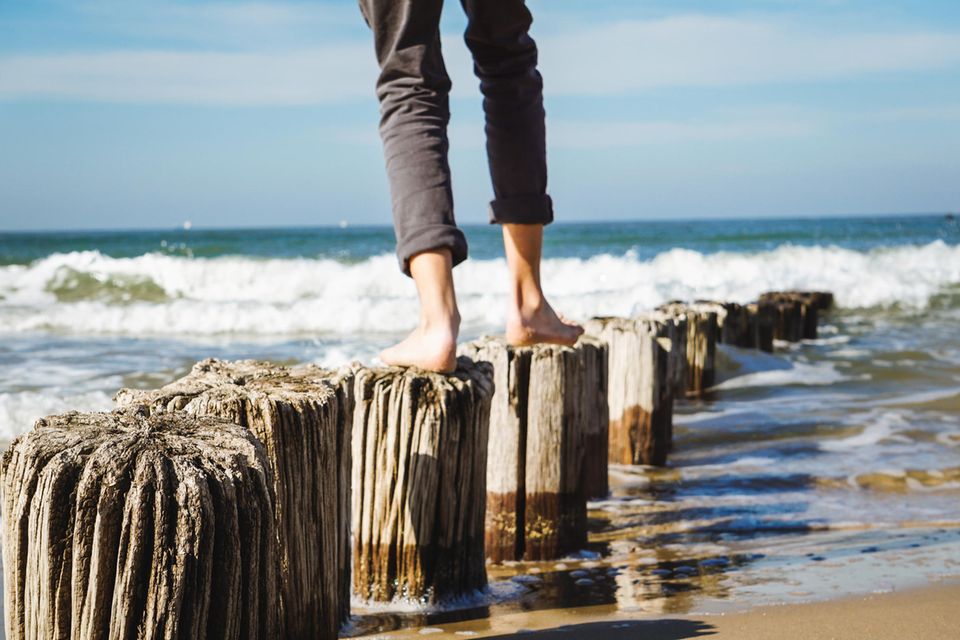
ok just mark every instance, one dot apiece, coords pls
pixel 87 292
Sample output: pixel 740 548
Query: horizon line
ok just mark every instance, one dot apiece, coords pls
pixel 338 225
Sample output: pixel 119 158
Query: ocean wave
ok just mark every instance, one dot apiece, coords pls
pixel 800 374
pixel 89 292
pixel 879 426
pixel 19 410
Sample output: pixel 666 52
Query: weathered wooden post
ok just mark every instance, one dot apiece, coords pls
pixel 640 395
pixel 797 312
pixel 762 318
pixel 733 322
pixel 788 317
pixel 124 525
pixel 596 418
pixel 672 337
pixel 820 300
pixel 303 416
pixel 550 405
pixel 419 484
pixel 506 447
pixel 702 330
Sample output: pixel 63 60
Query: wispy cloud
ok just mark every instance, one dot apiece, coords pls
pixel 600 135
pixel 197 25
pixel 616 58
pixel 709 51
pixel 317 76
pixel 591 134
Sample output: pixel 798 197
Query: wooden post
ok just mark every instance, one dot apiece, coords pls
pixel 551 405
pixel 420 452
pixel 596 418
pixel 702 330
pixel 640 396
pixel 762 318
pixel 303 416
pixel 820 300
pixel 788 318
pixel 506 447
pixel 672 337
pixel 733 321
pixel 124 525
pixel 797 312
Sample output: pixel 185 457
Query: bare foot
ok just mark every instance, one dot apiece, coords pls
pixel 540 324
pixel 432 349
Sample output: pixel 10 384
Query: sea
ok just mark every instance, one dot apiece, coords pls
pixel 829 467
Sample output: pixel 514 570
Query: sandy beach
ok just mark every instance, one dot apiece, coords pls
pixel 923 613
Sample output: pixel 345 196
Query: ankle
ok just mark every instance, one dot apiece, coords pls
pixel 447 321
pixel 528 298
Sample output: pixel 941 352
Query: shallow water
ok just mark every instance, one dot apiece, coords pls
pixel 824 469
pixel 828 467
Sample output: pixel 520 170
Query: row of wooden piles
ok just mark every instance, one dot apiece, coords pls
pixel 250 500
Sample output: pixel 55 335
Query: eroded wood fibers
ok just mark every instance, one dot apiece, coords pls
pixel 506 447
pixel 733 322
pixel 762 320
pixel 303 416
pixel 123 525
pixel 797 312
pixel 672 337
pixel 640 396
pixel 552 408
pixel 596 418
pixel 702 332
pixel 420 451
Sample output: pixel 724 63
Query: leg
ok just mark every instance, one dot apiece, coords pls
pixel 413 89
pixel 530 319
pixel 505 61
pixel 433 344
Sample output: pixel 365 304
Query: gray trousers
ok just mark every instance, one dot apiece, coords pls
pixel 413 89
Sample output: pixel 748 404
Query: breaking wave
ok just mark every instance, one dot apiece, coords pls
pixel 88 292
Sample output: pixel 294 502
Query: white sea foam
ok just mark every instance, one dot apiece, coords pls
pixel 849 353
pixel 171 295
pixel 821 373
pixel 880 426
pixel 920 397
pixel 19 410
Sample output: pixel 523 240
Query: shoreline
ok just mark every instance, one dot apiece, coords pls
pixel 920 612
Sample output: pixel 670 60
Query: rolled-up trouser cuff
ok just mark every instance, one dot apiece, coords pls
pixel 430 237
pixel 536 209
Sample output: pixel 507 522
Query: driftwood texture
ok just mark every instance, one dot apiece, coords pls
pixel 119 525
pixel 506 447
pixel 640 397
pixel 547 445
pixel 303 417
pixel 796 312
pixel 702 332
pixel 762 318
pixel 733 322
pixel 420 451
pixel 672 336
pixel 596 417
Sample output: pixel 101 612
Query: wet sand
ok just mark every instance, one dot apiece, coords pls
pixel 928 612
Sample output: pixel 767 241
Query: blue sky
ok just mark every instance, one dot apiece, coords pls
pixel 146 114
